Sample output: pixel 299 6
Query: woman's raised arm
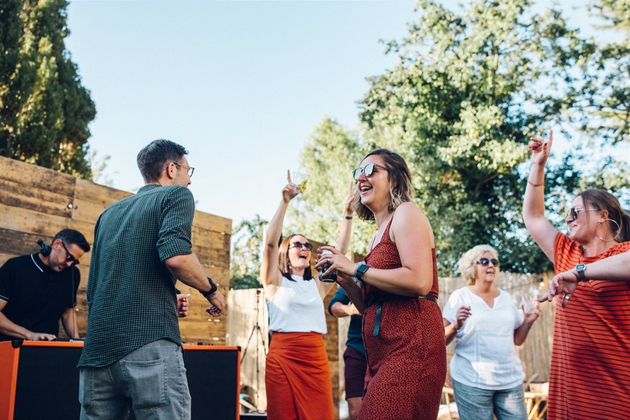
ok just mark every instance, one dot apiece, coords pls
pixel 269 272
pixel 541 229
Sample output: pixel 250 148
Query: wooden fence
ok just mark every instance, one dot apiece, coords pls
pixel 37 203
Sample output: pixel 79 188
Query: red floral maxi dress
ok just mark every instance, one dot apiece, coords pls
pixel 407 356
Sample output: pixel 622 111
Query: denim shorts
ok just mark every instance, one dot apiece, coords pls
pixel 150 380
pixel 479 404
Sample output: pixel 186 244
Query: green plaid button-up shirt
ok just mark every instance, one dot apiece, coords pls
pixel 131 293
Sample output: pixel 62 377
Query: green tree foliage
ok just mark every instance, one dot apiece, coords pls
pixel 329 157
pixel 606 90
pixel 468 92
pixel 601 99
pixel 461 105
pixel 44 109
pixel 247 241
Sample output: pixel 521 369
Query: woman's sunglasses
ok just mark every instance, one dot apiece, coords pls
pixel 486 261
pixel 368 170
pixel 574 212
pixel 300 245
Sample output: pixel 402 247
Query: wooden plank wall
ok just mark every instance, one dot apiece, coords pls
pixel 37 203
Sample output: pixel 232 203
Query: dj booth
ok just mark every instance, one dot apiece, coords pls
pixel 40 380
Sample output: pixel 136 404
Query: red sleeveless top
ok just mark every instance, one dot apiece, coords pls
pixel 385 256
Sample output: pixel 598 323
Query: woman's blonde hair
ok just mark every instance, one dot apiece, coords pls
pixel 399 177
pixel 468 262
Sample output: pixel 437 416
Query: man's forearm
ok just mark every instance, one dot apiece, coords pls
pixel 9 328
pixel 188 270
pixel 69 322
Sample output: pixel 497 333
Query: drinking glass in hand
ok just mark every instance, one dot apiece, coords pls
pixel 300 179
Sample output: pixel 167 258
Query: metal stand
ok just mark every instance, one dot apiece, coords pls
pixel 255 328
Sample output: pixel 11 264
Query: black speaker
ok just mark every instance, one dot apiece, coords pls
pixel 213 380
pixel 47 381
pixel 43 378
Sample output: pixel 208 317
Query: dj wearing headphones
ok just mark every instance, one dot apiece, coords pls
pixel 37 290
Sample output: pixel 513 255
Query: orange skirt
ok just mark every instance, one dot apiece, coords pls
pixel 297 377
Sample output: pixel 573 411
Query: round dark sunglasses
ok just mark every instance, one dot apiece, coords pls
pixel 368 170
pixel 300 245
pixel 486 261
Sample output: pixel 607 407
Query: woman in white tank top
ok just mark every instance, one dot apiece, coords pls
pixel 297 374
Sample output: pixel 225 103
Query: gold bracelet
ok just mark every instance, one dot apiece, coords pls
pixel 535 185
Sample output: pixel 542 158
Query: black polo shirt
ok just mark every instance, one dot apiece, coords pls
pixel 36 295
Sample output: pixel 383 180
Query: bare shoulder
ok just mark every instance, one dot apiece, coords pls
pixel 409 213
pixel 409 219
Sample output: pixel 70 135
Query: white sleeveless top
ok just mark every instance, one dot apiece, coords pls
pixel 297 307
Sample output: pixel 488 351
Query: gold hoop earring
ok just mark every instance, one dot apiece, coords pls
pixel 614 237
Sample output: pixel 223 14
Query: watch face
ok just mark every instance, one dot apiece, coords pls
pixel 580 270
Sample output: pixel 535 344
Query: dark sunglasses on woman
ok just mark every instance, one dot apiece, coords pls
pixel 368 170
pixel 300 245
pixel 486 261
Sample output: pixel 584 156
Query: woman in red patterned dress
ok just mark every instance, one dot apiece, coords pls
pixel 591 333
pixel 402 323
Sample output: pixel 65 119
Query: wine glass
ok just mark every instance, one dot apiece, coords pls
pixel 300 179
pixel 529 300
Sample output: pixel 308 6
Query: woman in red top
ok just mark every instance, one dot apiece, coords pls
pixel 592 332
pixel 402 323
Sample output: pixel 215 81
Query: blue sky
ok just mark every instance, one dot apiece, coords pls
pixel 241 84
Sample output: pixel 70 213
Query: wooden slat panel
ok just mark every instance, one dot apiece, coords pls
pixel 37 223
pixel 209 238
pixel 31 176
pixel 13 242
pixel 87 211
pixel 212 258
pixel 98 194
pixel 212 222
pixel 18 196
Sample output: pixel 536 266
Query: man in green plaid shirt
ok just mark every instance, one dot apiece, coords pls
pixel 133 355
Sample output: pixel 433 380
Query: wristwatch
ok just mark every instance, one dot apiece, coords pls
pixel 213 288
pixel 360 271
pixel 580 271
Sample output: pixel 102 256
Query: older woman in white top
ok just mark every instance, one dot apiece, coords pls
pixel 487 374
pixel 297 374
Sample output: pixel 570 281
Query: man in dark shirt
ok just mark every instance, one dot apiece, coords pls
pixel 354 356
pixel 39 289
pixel 142 245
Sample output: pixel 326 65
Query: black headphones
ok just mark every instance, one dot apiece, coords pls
pixel 45 251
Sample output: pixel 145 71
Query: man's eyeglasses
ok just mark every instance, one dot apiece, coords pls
pixel 368 170
pixel 574 212
pixel 69 257
pixel 486 261
pixel 190 169
pixel 300 245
